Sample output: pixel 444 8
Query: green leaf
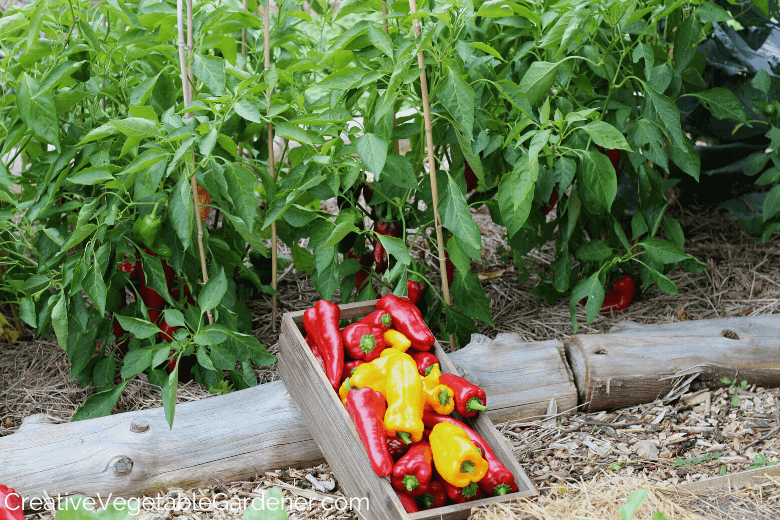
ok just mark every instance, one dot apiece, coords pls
pixel 380 40
pixel 12 23
pixel 565 30
pixel 248 111
pixel 180 210
pixel 98 133
pixel 396 248
pixel 594 251
pixel 663 111
pixel 723 103
pixel 686 37
pixel 154 276
pixel 343 79
pixel 457 96
pixel 456 216
pixel 95 287
pixel 400 172
pixel 488 49
pixel 240 183
pixel 516 195
pixel 209 336
pixel 293 132
pixel 211 71
pixel 91 176
pixel 341 230
pixel 39 113
pixel 495 9
pixel 459 324
pixel 470 296
pixel 136 127
pixel 664 284
pixel 635 499
pixel 270 507
pixel 136 361
pixel 644 134
pixel 372 150
pixel 169 395
pixel 662 251
pixel 250 347
pixel 591 288
pixel 606 135
pixel 59 320
pixel 761 81
pixel 538 80
pixel 213 291
pixel 142 329
pixel 645 51
pixel 78 235
pixel 599 183
pixel 222 357
pixel 772 203
pixel 99 405
pixel 204 360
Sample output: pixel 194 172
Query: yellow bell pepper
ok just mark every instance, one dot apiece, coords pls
pixel 440 398
pixel 456 458
pixel 405 399
pixel 397 341
pixel 365 375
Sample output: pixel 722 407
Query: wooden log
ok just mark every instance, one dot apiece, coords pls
pixel 508 368
pixel 641 365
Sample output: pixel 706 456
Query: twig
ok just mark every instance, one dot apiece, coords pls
pixel 445 286
pixel 271 165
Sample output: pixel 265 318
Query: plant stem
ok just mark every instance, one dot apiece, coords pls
pixel 271 165
pixel 445 289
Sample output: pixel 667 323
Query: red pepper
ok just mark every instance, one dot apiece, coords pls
pixel 450 267
pixel 362 341
pixel 416 291
pixel 469 398
pixel 391 229
pixel 154 315
pixel 407 320
pixel 620 295
pixel 461 495
pixel 350 367
pixel 397 447
pixel 409 503
pixel 314 350
pixel 471 178
pixel 498 480
pixel 552 203
pixel 424 360
pixel 129 268
pixel 310 326
pixel 328 337
pixel 364 406
pixel 151 298
pixel 435 497
pixel 413 471
pixel 378 320
pixel 366 260
pixel 11 507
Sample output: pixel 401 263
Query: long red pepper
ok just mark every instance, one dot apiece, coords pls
pixel 407 320
pixel 424 360
pixel 362 341
pixel 620 295
pixel 413 471
pixel 364 406
pixel 498 480
pixel 409 503
pixel 329 340
pixel 469 398
pixel 11 507
pixel 379 320
pixel 314 350
pixel 312 335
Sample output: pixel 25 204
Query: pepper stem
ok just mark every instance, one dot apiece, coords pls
pixel 410 482
pixel 429 369
pixel 444 398
pixel 349 386
pixel 368 343
pixel 470 490
pixel 474 404
pixel 404 436
pixel 387 320
pixel 467 467
pixel 154 209
pixel 503 489
pixel 426 501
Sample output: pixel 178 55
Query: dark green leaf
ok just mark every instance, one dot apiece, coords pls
pixel 723 104
pixel 136 361
pixel 99 404
pixel 459 324
pixel 457 96
pixel 38 113
pixel 141 329
pixel 516 195
pixel 538 80
pixel 59 320
pixel 595 251
pixel 211 71
pixel 591 288
pixel 396 248
pixel 400 172
pixel 470 296
pixel 662 251
pixel 155 279
pixel 95 287
pixel 169 395
pixel 180 210
pixel 606 135
pixel 372 150
pixel 772 203
pixel 213 291
pixel 456 216
pixel 599 183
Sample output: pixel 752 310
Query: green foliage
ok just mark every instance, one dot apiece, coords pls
pixel 734 388
pixel 269 507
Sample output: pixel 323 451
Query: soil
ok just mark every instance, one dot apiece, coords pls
pixel 584 465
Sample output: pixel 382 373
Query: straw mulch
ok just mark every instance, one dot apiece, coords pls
pixel 742 280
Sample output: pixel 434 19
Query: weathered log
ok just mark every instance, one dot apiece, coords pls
pixel 508 368
pixel 643 364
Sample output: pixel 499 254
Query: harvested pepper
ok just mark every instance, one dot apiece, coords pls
pixel 413 471
pixel 327 335
pixel 397 447
pixel 408 320
pixel 362 341
pixel 349 368
pixel 396 340
pixel 366 375
pixel 498 480
pixel 378 320
pixel 620 295
pixel 469 398
pixel 438 397
pixel 424 360
pixel 405 399
pixel 457 459
pixel 409 503
pixel 364 406
pixel 460 495
pixel 314 350
pixel 11 507
pixel 435 497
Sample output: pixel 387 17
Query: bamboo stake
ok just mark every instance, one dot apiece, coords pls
pixel 187 90
pixel 445 286
pixel 271 165
pixel 190 50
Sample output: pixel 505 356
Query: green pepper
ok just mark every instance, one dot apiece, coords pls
pixel 147 229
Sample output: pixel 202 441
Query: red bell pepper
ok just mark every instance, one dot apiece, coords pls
pixel 11 506
pixel 328 338
pixel 413 471
pixel 397 447
pixel 461 495
pixel 469 398
pixel 350 367
pixel 362 341
pixel 424 360
pixel 498 480
pixel 409 503
pixel 435 497
pixel 378 320
pixel 365 409
pixel 620 295
pixel 407 320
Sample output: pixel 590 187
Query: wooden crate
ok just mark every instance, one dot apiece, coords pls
pixel 335 434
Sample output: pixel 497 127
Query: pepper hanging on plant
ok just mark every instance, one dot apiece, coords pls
pixel 147 229
pixel 620 295
pixel 391 229
pixel 204 199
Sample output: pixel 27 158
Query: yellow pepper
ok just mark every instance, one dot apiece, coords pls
pixel 396 340
pixel 456 458
pixel 365 375
pixel 438 397
pixel 405 399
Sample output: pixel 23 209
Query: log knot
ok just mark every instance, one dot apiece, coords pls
pixel 122 465
pixel 139 425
